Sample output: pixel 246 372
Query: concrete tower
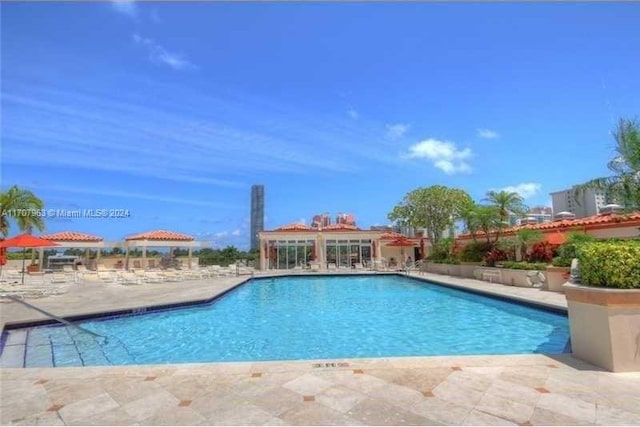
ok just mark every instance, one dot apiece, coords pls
pixel 257 214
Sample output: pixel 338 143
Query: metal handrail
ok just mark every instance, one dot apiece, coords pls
pixel 53 316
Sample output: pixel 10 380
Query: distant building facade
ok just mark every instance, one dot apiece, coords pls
pixel 321 220
pixel 536 215
pixel 257 214
pixel 588 203
pixel 348 219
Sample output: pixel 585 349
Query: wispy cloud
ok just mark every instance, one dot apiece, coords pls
pixel 396 131
pixel 488 134
pixel 159 55
pixel 442 154
pixel 526 189
pixel 129 195
pixel 236 232
pixel 197 138
pixel 353 113
pixel 155 16
pixel 125 7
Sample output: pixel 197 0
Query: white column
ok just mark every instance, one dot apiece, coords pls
pixel 189 257
pixel 263 255
pixel 41 258
pixel 144 257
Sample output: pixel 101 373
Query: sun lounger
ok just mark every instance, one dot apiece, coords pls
pixel 11 274
pixel 129 278
pixel 107 277
pixel 153 277
pixel 59 278
pixel 171 276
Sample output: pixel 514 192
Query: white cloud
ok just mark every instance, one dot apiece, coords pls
pixel 160 55
pixel 235 233
pixel 443 154
pixel 221 234
pixel 526 190
pixel 353 113
pixel 125 7
pixel 396 131
pixel 155 17
pixel 302 221
pixel 488 134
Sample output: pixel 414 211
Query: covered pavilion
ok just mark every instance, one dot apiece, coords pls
pixel 75 240
pixel 159 238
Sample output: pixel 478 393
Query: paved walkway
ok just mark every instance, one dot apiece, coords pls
pixel 473 390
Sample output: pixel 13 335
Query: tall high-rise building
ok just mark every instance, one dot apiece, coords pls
pixel 257 214
pixel 343 218
pixel 321 220
pixel 588 203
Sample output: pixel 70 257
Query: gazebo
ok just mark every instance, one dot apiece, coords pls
pixel 158 238
pixel 72 239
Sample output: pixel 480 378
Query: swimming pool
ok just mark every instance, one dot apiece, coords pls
pixel 314 317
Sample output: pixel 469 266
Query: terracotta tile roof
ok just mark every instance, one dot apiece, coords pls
pixel 390 235
pixel 339 227
pixel 72 236
pixel 567 224
pixel 295 227
pixel 160 235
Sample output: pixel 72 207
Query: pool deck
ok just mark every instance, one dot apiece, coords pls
pixel 467 390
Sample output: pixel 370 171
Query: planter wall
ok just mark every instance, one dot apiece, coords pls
pixel 605 326
pixel 467 269
pixel 515 277
pixel 556 277
pixel 448 269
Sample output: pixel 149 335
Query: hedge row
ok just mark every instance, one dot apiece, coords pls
pixel 610 264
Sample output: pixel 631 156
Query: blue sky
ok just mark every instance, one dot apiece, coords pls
pixel 173 110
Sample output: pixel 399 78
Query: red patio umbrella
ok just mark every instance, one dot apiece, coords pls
pixel 401 242
pixel 26 241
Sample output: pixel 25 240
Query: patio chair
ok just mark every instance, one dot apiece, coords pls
pixel 11 274
pixel 332 266
pixel 137 264
pixel 358 266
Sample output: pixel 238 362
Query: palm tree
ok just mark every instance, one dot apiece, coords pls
pixel 23 207
pixel 624 185
pixel 506 202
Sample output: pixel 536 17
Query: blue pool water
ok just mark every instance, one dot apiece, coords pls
pixel 310 318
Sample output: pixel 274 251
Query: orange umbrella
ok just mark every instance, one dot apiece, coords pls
pixel 557 238
pixel 26 241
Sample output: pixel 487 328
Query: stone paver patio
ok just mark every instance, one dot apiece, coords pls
pixel 470 390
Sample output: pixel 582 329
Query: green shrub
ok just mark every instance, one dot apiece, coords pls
pixel 524 265
pixel 612 264
pixel 442 251
pixel 475 252
pixel 569 250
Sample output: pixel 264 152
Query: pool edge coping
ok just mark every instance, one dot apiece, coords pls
pixel 104 315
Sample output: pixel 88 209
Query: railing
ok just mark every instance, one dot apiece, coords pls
pixel 53 316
